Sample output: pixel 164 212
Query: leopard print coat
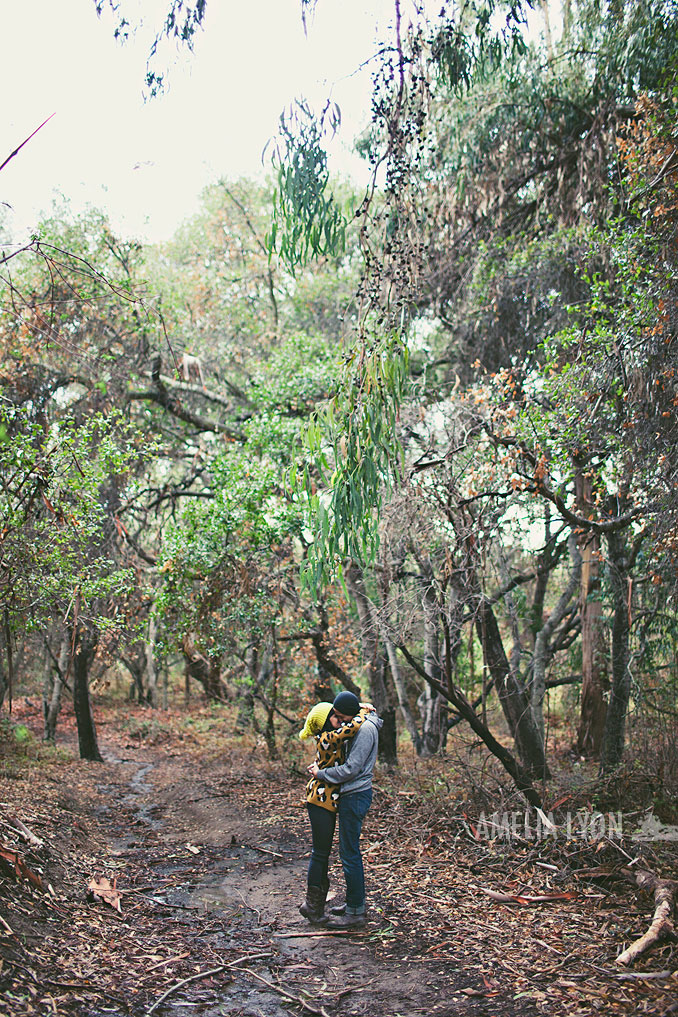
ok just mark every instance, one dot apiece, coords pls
pixel 331 751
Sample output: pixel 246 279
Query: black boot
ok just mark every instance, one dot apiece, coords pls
pixel 314 905
pixel 347 920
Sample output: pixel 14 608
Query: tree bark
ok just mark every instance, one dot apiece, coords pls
pixel 6 683
pixel 376 663
pixel 3 680
pixel 137 692
pixel 51 703
pixel 245 694
pixel 84 645
pixel 150 671
pixel 615 723
pixel 595 681
pixel 207 672
pixel 431 702
pixel 512 696
pixel 401 693
pixel 541 643
pixel 327 666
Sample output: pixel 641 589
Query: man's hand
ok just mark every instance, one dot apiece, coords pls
pixel 313 769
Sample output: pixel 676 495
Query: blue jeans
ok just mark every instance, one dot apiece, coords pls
pixel 322 831
pixel 353 808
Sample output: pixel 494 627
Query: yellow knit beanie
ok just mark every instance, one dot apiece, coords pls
pixel 316 720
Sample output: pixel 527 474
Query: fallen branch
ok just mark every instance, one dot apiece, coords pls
pixel 662 921
pixel 314 935
pixel 520 898
pixel 13 860
pixel 204 974
pixel 283 992
pixel 643 976
pixel 15 824
pixel 185 981
pixel 170 960
pixel 264 851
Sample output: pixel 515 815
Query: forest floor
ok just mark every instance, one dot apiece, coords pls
pixel 202 842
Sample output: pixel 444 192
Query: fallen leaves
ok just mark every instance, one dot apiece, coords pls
pixel 437 895
pixel 101 888
pixel 15 862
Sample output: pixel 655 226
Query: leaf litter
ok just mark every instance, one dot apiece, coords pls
pixel 127 913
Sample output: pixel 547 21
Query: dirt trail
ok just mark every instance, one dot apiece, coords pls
pixel 227 852
pixel 209 844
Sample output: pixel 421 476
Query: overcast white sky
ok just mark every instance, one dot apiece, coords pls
pixel 147 162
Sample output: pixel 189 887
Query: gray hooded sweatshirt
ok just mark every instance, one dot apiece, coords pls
pixel 361 754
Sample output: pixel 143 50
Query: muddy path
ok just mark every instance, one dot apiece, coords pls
pixel 207 843
pixel 220 850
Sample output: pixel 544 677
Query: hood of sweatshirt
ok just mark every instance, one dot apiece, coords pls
pixel 372 718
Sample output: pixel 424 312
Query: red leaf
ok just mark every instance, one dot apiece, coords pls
pixel 21 870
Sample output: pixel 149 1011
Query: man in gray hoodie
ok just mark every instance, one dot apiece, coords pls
pixel 354 776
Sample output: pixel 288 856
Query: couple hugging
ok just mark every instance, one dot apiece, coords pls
pixel 347 735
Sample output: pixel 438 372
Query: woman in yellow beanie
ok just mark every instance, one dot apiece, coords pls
pixel 331 729
pixel 315 720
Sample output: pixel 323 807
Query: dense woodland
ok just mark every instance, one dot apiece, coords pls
pixel 418 442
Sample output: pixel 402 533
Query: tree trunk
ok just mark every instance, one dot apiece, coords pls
pixel 459 702
pixel 431 703
pixel 3 681
pixel 150 670
pixel 137 692
pixel 401 693
pixel 245 695
pixel 327 666
pixel 51 702
pixel 595 681
pixel 377 665
pixel 84 645
pixel 594 676
pixel 6 681
pixel 512 696
pixel 541 643
pixel 207 672
pixel 620 691
pixel 272 699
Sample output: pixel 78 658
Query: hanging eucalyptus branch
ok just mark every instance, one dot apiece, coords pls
pixel 307 220
pixel 352 451
pixel 352 454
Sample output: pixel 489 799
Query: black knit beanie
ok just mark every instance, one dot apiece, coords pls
pixel 346 703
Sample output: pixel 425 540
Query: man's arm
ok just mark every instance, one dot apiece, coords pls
pixel 358 756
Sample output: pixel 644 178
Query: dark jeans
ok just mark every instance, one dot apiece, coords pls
pixel 353 808
pixel 322 830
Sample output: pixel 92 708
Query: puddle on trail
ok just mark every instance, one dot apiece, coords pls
pixel 233 905
pixel 239 899
pixel 144 812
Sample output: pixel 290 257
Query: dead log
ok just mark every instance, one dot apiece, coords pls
pixel 17 826
pixel 662 921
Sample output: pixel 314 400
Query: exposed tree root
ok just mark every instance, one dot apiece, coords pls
pixel 662 921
